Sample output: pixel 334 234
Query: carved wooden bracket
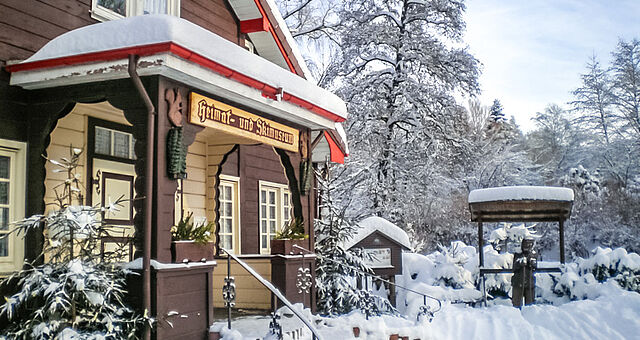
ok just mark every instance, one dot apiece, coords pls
pixel 174 112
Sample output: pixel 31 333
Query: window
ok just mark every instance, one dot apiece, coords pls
pixel 105 10
pixel 109 142
pixel 12 189
pixel 229 213
pixel 275 212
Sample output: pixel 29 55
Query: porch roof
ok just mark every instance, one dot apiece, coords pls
pixel 180 50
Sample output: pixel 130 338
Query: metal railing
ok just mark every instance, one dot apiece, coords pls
pixel 228 294
pixel 425 310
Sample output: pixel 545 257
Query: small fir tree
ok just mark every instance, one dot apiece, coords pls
pixel 337 267
pixel 496 113
pixel 78 293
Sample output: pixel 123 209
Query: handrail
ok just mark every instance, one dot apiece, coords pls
pixel 424 296
pixel 271 288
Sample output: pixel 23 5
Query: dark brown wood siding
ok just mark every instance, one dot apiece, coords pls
pixel 26 25
pixel 254 163
pixel 214 15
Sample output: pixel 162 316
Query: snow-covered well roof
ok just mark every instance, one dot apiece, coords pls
pixel 178 49
pixel 521 193
pixel 374 223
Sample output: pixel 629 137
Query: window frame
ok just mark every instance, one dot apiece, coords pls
pixel 132 8
pixel 281 190
pixel 17 152
pixel 236 235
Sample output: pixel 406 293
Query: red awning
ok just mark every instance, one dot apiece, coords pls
pixel 337 154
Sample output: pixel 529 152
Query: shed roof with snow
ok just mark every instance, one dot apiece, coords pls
pixel 520 204
pixel 374 223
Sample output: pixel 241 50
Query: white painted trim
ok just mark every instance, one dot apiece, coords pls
pixel 175 68
pixel 17 202
pixel 280 188
pixel 237 244
pixel 132 7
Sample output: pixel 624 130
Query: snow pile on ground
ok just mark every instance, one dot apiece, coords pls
pixel 614 315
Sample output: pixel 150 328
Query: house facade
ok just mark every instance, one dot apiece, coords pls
pixel 118 79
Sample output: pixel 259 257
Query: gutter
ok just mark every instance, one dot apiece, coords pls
pixel 148 203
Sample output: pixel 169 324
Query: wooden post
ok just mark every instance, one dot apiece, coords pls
pixel 561 223
pixel 480 245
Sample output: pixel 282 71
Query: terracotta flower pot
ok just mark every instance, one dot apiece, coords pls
pixel 285 247
pixel 190 251
pixel 356 332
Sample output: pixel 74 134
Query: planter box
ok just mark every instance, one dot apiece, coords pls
pixel 285 247
pixel 182 251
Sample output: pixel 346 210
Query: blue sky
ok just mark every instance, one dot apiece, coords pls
pixel 533 51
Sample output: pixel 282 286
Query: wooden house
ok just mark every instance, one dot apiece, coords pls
pixel 113 78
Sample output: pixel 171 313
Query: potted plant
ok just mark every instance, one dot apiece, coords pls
pixel 191 242
pixel 292 234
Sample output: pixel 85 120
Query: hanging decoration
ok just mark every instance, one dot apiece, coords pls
pixel 176 150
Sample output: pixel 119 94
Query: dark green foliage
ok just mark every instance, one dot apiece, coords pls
pixel 292 231
pixel 186 230
pixel 176 154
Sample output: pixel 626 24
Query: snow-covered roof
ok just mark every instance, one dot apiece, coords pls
pixel 374 223
pixel 521 193
pixel 154 35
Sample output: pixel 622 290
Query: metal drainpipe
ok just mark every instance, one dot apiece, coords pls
pixel 148 204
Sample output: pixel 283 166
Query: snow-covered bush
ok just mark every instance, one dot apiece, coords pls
pixel 583 278
pixel 508 237
pixel 77 294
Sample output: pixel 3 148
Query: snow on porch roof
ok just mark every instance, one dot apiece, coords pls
pixel 156 35
pixel 521 193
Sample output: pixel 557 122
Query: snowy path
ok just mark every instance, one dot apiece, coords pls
pixel 609 317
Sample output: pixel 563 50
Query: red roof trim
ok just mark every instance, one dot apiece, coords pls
pixel 179 51
pixel 275 37
pixel 336 153
pixel 254 25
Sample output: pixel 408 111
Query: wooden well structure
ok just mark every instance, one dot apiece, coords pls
pixel 519 204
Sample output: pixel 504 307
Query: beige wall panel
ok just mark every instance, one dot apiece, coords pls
pixel 251 294
pixel 198 148
pixel 72 121
pixel 102 110
pixel 196 175
pixel 194 188
pixel 196 161
pixel 194 201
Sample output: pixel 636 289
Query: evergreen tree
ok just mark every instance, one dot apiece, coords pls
pixel 495 112
pixel 336 267
pixel 77 294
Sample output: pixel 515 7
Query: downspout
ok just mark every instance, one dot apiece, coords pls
pixel 148 203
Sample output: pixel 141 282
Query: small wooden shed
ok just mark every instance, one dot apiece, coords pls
pixel 386 242
pixel 520 204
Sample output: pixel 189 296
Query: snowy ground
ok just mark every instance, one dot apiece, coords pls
pixel 615 315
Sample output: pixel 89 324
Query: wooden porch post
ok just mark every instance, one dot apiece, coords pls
pixel 561 223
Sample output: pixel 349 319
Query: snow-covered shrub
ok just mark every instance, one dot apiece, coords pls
pixel 77 294
pixel 605 265
pixel 508 237
pixel 449 268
